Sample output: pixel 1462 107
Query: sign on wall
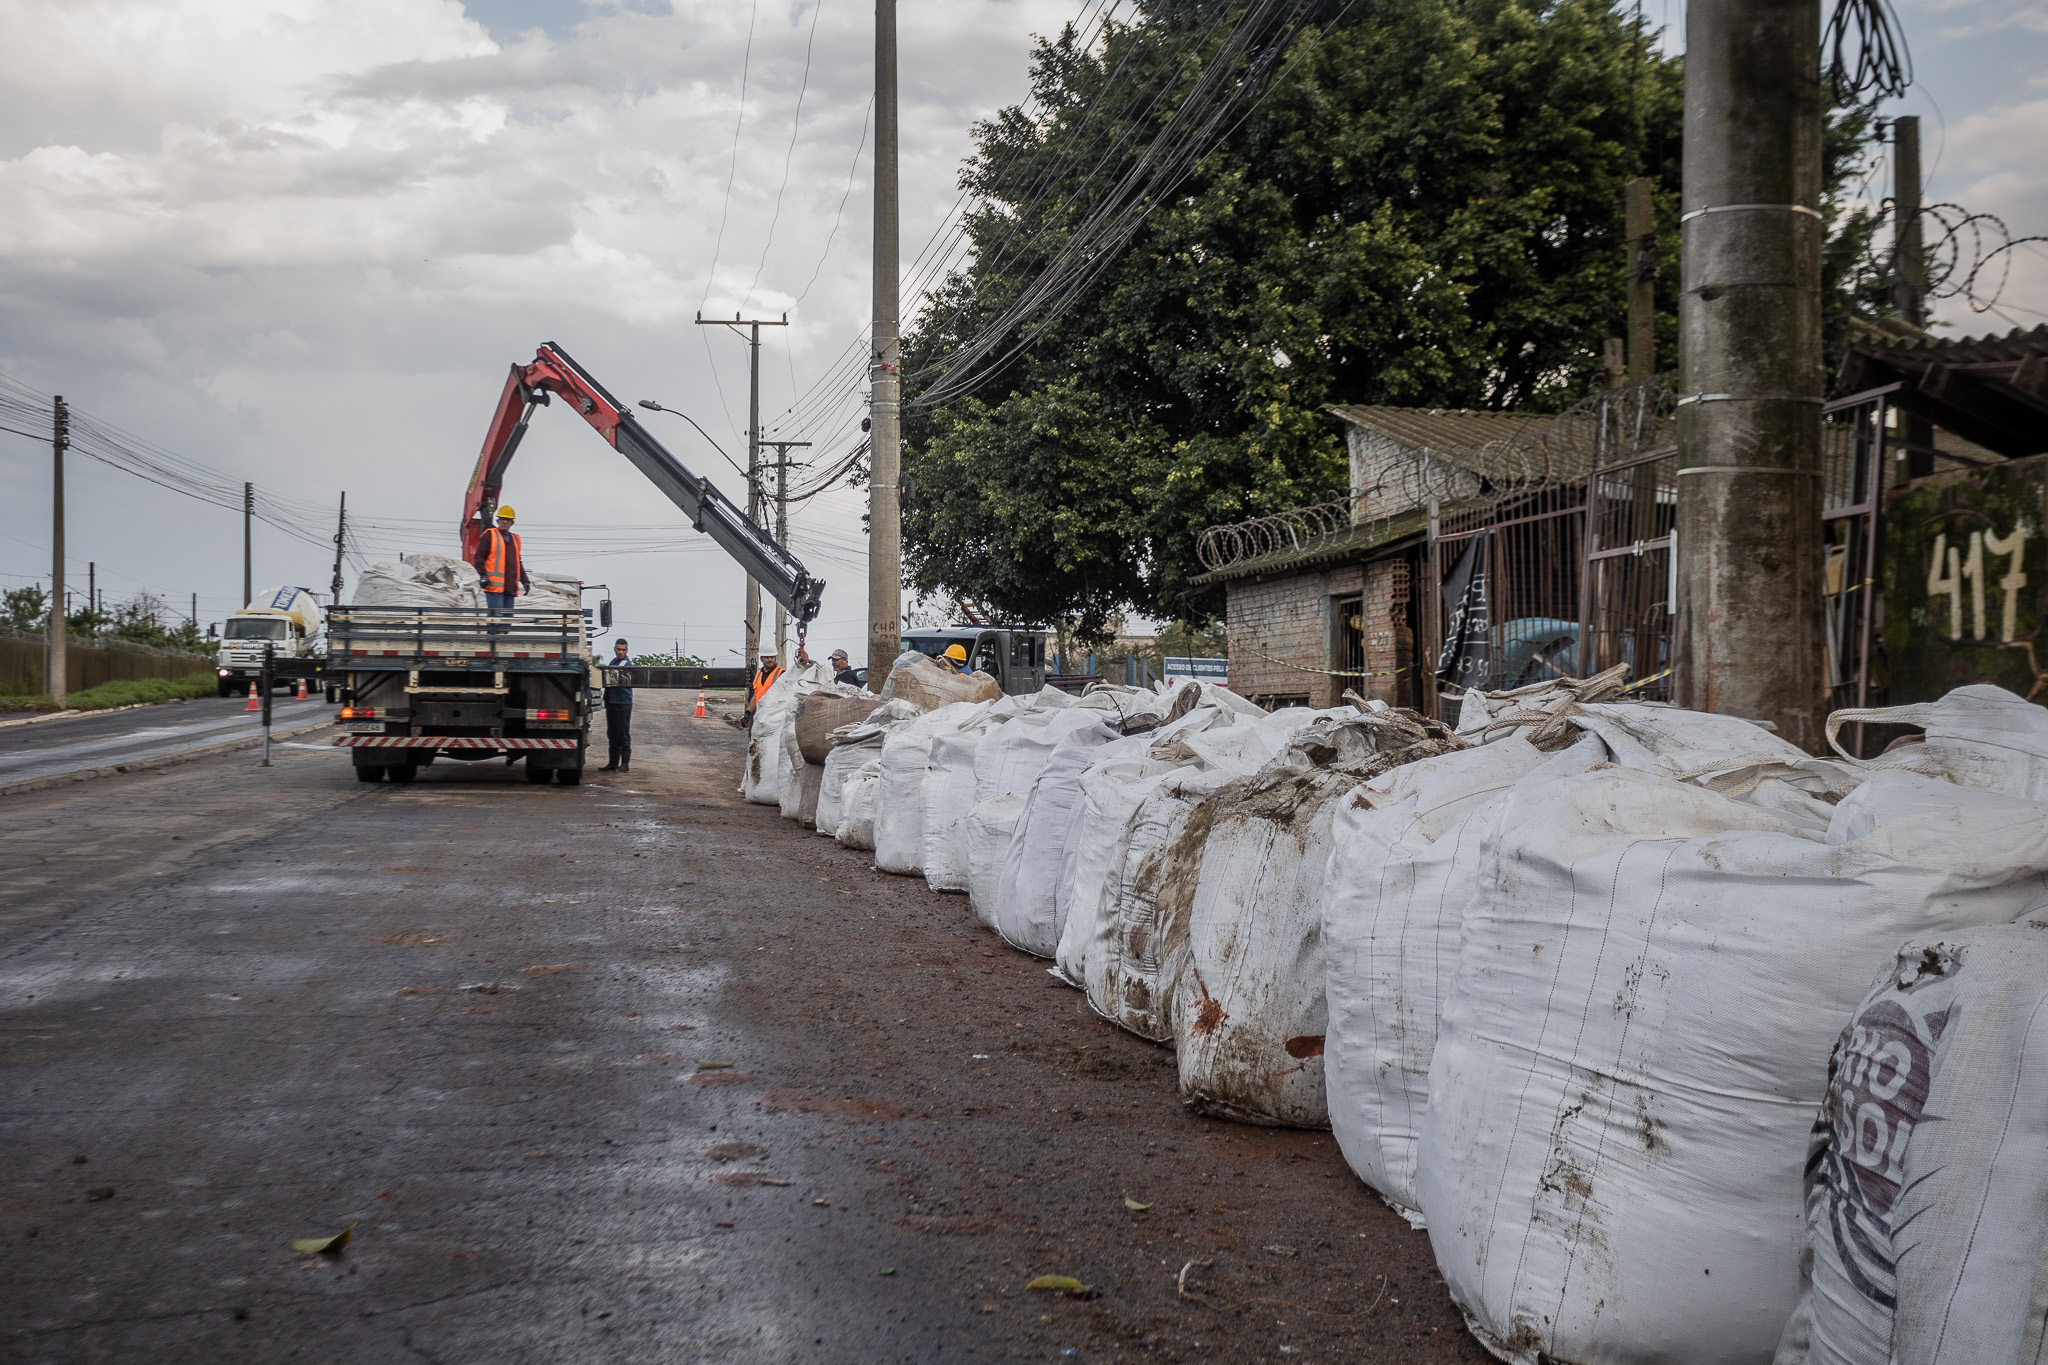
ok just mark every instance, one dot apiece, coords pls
pixel 1966 582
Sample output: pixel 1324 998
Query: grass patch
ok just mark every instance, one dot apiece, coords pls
pixel 129 693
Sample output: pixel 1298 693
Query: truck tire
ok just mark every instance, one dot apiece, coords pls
pixel 227 687
pixel 537 776
pixel 369 774
pixel 569 777
pixel 403 772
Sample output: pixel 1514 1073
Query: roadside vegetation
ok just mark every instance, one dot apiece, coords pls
pixel 131 692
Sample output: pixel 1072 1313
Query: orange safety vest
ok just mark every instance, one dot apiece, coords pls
pixel 762 682
pixel 501 567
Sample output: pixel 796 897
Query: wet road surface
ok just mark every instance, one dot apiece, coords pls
pixel 144 734
pixel 630 1071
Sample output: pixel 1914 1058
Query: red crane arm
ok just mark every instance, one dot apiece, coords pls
pixel 527 387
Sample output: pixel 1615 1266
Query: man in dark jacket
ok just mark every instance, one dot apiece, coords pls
pixel 842 671
pixel 618 716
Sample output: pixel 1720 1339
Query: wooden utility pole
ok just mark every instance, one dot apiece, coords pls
pixel 782 449
pixel 248 520
pixel 753 335
pixel 58 672
pixel 340 534
pixel 885 421
pixel 1909 276
pixel 1641 226
pixel 1748 634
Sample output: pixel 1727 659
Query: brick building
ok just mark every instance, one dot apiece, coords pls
pixel 1324 599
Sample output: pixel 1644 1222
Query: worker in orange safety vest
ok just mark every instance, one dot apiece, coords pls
pixel 501 565
pixel 764 678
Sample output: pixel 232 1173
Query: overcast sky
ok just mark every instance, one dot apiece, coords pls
pixel 300 241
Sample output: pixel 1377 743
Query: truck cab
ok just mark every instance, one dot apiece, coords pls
pixel 285 620
pixel 1013 655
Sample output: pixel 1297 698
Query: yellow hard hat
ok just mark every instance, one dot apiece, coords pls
pixel 957 653
pixel 507 513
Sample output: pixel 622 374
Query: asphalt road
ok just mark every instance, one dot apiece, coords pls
pixel 625 1072
pixel 144 734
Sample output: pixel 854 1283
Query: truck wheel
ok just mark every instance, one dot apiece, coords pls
pixel 227 687
pixel 403 772
pixel 369 774
pixel 537 776
pixel 569 777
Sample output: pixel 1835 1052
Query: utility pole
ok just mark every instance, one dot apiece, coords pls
pixel 782 449
pixel 1909 275
pixel 92 594
pixel 885 386
pixel 1748 634
pixel 58 672
pixel 1641 226
pixel 340 534
pixel 195 612
pixel 248 518
pixel 753 335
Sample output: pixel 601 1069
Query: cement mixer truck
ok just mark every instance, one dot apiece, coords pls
pixel 286 619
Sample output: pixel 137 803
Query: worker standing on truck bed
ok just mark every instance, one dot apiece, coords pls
pixel 501 565
pixel 757 687
pixel 618 717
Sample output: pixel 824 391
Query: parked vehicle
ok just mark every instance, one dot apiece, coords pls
pixel 1013 655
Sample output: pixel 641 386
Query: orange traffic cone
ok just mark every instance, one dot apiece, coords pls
pixel 253 705
pixel 302 691
pixel 700 713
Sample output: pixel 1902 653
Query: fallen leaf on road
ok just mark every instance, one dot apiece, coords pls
pixel 99 1192
pixel 553 967
pixel 410 940
pixel 1134 1206
pixel 890 1271
pixel 1062 1284
pixel 713 1066
pixel 314 1245
pixel 821 1203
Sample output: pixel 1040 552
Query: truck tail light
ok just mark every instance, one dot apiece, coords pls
pixel 549 715
pixel 359 713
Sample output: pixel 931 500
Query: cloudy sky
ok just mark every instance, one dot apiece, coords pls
pixel 299 242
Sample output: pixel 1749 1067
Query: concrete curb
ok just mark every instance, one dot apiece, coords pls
pixel 159 761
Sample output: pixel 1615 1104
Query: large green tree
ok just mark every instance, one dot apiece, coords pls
pixel 1425 208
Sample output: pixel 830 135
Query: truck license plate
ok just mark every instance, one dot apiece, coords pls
pixel 365 729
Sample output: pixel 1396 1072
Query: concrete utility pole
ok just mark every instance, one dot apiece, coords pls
pixel 1909 275
pixel 885 419
pixel 248 519
pixel 92 594
pixel 1748 635
pixel 58 672
pixel 340 534
pixel 753 335
pixel 782 449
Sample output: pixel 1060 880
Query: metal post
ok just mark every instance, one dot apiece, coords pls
pixel 1909 275
pixel 1748 634
pixel 264 687
pixel 885 433
pixel 248 519
pixel 58 672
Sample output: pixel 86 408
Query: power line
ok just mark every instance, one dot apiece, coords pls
pixel 796 124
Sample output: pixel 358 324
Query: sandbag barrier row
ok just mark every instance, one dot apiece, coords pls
pixel 1681 1044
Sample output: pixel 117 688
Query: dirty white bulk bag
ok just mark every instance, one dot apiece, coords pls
pixel 928 684
pixel 549 592
pixel 1112 788
pixel 1240 925
pixel 857 806
pixel 988 830
pixel 851 746
pixel 1637 1036
pixel 1030 899
pixel 768 765
pixel 899 803
pixel 1404 864
pixel 420 581
pixel 949 785
pixel 1006 762
pixel 1129 966
pixel 1927 1191
pixel 1978 736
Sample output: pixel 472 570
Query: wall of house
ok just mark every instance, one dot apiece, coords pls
pixel 1286 634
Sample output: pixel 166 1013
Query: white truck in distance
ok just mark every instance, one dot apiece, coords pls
pixel 286 619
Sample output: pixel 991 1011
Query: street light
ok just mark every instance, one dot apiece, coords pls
pixel 653 406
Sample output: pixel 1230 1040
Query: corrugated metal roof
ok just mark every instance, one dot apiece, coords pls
pixel 1895 340
pixel 1445 432
pixel 1348 544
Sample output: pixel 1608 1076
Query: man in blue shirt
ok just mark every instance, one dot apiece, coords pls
pixel 618 716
